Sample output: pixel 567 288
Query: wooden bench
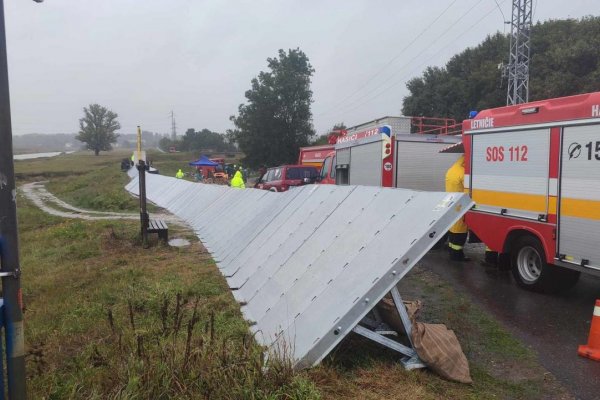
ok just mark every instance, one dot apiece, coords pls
pixel 160 227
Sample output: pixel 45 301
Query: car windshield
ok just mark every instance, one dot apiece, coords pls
pixel 301 173
pixel 325 168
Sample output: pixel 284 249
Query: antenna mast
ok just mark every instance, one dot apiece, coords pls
pixel 518 65
pixel 173 127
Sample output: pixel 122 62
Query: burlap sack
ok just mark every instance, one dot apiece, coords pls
pixel 389 314
pixel 440 350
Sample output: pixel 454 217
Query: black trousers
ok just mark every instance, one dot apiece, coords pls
pixel 456 244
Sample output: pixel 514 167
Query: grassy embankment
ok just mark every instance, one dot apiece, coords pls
pixel 108 319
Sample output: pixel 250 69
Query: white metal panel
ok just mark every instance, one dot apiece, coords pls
pixel 365 164
pixel 511 162
pixel 420 165
pixel 327 254
pixel 342 156
pixel 579 225
pixel 399 125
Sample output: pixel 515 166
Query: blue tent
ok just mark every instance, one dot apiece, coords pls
pixel 203 161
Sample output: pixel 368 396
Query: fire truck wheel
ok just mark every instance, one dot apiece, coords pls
pixel 533 273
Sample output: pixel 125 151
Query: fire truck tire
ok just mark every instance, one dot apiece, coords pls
pixel 272 189
pixel 533 273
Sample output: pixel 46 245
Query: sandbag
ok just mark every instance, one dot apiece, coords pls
pixel 389 314
pixel 438 347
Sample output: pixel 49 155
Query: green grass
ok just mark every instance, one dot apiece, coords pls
pixel 84 282
pixel 187 338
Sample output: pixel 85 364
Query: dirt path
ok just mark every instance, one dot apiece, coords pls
pixel 46 201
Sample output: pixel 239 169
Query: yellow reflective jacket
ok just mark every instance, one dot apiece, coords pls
pixel 237 181
pixel 455 182
pixel 179 174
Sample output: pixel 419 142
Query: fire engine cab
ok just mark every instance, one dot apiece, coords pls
pixel 533 171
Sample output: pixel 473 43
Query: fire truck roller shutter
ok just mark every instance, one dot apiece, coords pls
pixel 420 166
pixel 579 219
pixel 365 164
pixel 510 172
pixel 342 162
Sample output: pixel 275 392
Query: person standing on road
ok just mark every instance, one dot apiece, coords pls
pixel 179 174
pixel 237 181
pixel 457 236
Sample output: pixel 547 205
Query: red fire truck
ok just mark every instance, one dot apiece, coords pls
pixel 384 152
pixel 314 155
pixel 533 171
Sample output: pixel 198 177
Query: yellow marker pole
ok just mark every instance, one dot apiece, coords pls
pixel 139 143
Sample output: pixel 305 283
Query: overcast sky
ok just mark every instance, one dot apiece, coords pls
pixel 144 58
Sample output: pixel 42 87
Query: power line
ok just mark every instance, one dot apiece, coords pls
pixel 391 61
pixel 424 62
pixel 415 57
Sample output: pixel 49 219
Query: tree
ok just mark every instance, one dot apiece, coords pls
pixel 97 128
pixel 564 61
pixel 276 121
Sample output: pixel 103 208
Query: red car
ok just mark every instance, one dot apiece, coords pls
pixel 280 179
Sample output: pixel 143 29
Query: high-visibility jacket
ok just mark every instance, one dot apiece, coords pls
pixel 237 181
pixel 455 182
pixel 179 174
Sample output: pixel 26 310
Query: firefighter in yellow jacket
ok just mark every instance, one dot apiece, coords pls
pixel 237 181
pixel 457 236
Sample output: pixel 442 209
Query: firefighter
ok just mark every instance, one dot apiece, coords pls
pixel 237 181
pixel 457 236
pixel 179 174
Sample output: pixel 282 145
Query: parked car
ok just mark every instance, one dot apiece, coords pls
pixel 280 179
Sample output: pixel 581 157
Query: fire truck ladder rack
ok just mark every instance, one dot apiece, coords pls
pixel 435 126
pixel 308 266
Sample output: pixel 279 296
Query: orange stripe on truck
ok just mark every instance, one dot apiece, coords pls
pixel 586 209
pixel 526 202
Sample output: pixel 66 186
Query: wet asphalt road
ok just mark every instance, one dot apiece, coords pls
pixel 552 325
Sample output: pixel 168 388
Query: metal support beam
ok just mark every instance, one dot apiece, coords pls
pixel 11 284
pixel 518 64
pixel 379 329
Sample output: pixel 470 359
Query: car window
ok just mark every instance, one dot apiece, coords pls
pixel 301 173
pixel 268 176
pixel 276 174
pixel 325 168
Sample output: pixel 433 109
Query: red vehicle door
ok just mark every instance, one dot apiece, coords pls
pixel 327 174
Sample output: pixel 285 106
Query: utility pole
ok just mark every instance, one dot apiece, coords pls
pixel 173 127
pixel 518 64
pixel 9 245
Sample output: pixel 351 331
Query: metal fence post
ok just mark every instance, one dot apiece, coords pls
pixel 144 219
pixel 11 288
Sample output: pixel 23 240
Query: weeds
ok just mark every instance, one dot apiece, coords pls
pixel 159 351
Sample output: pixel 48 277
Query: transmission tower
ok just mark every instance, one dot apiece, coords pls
pixel 173 127
pixel 518 64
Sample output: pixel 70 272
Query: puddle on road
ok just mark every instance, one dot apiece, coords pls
pixel 179 242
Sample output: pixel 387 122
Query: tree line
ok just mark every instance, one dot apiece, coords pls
pixel 204 140
pixel 276 119
pixel 565 60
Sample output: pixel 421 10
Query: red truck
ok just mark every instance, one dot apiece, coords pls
pixel 384 152
pixel 314 155
pixel 533 171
